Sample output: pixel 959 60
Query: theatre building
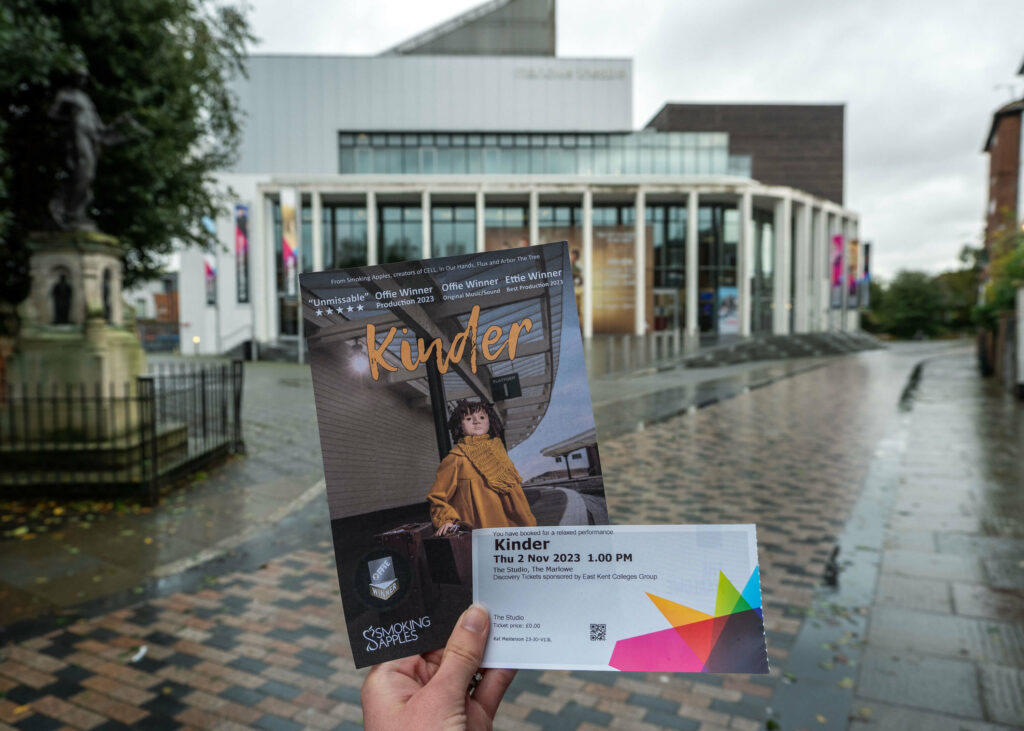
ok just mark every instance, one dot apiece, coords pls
pixel 474 136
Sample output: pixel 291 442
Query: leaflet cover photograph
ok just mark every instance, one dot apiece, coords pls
pixel 451 394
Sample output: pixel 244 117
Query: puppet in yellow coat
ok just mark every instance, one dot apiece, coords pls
pixel 477 484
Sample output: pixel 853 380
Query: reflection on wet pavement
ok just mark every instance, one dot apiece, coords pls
pixel 923 629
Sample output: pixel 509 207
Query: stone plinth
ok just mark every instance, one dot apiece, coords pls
pixel 74 339
pixel 90 263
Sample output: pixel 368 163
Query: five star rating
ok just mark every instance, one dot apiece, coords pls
pixel 339 310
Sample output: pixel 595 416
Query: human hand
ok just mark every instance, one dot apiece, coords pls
pixel 431 691
pixel 447 529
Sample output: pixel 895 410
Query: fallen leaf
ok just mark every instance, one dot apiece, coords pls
pixel 20 709
pixel 846 682
pixel 148 540
pixel 821 719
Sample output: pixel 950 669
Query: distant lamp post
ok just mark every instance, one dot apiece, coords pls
pixel 195 342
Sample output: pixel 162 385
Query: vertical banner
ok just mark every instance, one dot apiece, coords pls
pixel 289 240
pixel 852 280
pixel 615 277
pixel 837 271
pixel 210 277
pixel 242 251
pixel 865 282
pixel 728 311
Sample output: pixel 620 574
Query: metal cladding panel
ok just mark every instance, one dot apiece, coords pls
pixel 295 105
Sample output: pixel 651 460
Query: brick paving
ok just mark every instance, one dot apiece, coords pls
pixel 267 648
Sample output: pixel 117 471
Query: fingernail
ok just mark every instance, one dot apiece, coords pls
pixel 475 618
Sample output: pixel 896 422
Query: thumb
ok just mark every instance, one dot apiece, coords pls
pixel 464 651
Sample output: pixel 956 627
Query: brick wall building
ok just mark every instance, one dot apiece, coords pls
pixel 1003 146
pixel 797 145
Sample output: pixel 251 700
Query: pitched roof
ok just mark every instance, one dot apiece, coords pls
pixel 1007 110
pixel 495 28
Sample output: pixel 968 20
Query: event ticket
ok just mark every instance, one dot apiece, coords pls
pixel 683 598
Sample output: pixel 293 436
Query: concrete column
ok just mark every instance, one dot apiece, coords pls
pixel 780 277
pixel 318 233
pixel 802 251
pixel 534 218
pixel 425 207
pixel 480 228
pixel 640 257
pixel 744 259
pixel 824 271
pixel 587 263
pixel 268 297
pixel 813 268
pixel 692 211
pixel 371 227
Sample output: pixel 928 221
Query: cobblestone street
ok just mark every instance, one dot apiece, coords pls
pixel 921 628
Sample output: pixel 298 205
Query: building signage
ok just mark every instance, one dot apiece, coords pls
pixel 506 387
pixel 210 278
pixel 728 311
pixel 242 251
pixel 616 278
pixel 289 240
pixel 865 282
pixel 852 281
pixel 837 271
pixel 559 73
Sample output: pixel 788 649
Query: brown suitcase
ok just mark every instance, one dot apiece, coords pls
pixel 407 540
pixel 451 558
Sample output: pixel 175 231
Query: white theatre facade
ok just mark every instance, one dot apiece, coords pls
pixel 403 156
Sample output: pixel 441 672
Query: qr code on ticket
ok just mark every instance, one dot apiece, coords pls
pixel 598 632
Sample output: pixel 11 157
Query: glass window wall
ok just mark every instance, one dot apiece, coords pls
pixel 667 225
pixel 717 243
pixel 401 233
pixel 452 230
pixel 634 153
pixel 506 227
pixel 344 233
pixel 762 283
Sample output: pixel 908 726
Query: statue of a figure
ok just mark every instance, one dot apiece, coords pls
pixel 84 138
pixel 61 294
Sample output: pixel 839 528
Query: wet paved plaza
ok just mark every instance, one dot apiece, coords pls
pixel 923 627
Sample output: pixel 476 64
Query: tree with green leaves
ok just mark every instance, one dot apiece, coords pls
pixel 164 64
pixel 912 306
pixel 1006 274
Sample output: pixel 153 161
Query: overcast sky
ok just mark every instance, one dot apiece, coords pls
pixel 920 80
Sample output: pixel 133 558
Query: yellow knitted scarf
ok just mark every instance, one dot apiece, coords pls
pixel 491 460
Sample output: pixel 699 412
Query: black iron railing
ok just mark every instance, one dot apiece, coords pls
pixel 118 439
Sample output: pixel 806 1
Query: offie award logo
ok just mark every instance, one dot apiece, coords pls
pixel 383 582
